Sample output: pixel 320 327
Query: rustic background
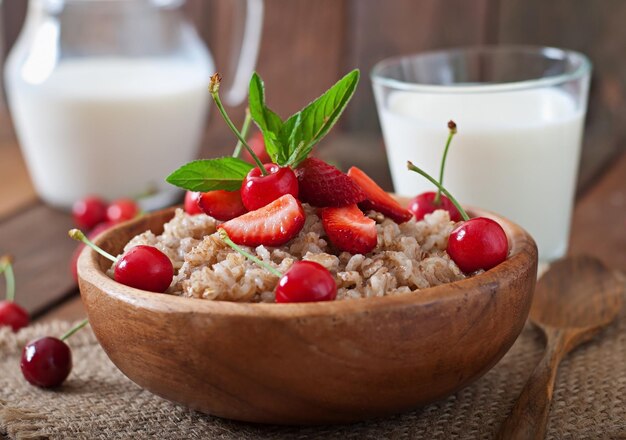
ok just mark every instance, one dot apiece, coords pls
pixel 308 45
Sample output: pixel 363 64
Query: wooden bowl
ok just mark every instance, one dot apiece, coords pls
pixel 309 363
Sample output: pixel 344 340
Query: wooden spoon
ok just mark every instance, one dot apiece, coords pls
pixel 573 301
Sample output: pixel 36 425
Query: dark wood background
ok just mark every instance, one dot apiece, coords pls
pixel 307 45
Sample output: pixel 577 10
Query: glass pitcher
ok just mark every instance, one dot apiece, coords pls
pixel 109 96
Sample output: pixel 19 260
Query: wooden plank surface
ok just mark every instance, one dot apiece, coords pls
pixel 37 239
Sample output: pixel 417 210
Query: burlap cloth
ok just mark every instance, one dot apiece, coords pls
pixel 98 402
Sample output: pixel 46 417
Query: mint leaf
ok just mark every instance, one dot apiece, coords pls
pixel 210 174
pixel 268 121
pixel 312 123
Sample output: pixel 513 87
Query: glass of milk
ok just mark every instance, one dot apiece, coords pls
pixel 520 113
pixel 109 96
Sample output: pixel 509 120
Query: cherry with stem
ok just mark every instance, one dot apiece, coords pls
pixel 214 88
pixel 265 183
pixel 430 201
pixel 476 244
pixel 47 362
pixel 142 267
pixel 456 204
pixel 11 314
pixel 305 281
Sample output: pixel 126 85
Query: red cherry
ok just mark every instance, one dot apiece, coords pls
pixel 222 205
pixel 424 203
pixel 191 203
pixel 306 281
pixel 258 190
pixel 100 228
pixel 478 243
pixel 12 315
pixel 88 212
pixel 121 210
pixel 146 268
pixel 46 362
pixel 257 143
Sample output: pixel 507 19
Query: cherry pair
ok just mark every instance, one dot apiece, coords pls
pixel 475 244
pixel 90 211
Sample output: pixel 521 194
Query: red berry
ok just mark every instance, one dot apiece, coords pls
pixel 306 281
pixel 146 268
pixel 12 315
pixel 222 205
pixel 479 243
pixel 424 203
pixel 46 362
pixel 272 225
pixel 257 144
pixel 191 203
pixel 100 228
pixel 258 190
pixel 121 210
pixel 321 184
pixel 377 199
pixel 88 212
pixel 349 230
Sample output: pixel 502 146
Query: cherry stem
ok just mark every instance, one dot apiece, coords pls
pixel 6 266
pixel 244 132
pixel 74 329
pixel 214 89
pixel 224 236
pixel 452 128
pixel 78 235
pixel 412 167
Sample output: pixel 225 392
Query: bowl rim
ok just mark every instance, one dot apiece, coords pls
pixel 522 253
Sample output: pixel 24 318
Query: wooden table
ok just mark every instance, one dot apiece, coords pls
pixel 36 235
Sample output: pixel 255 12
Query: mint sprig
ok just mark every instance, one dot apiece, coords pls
pixel 211 174
pixel 288 143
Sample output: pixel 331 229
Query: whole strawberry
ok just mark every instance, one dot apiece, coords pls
pixel 322 185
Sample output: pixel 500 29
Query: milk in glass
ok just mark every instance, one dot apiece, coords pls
pixel 516 153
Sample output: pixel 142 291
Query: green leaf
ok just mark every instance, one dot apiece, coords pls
pixel 268 121
pixel 312 123
pixel 211 174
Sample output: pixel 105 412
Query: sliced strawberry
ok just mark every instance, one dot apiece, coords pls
pixel 321 184
pixel 272 225
pixel 349 229
pixel 377 199
pixel 222 205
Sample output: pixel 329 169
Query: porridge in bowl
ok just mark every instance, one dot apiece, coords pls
pixel 408 257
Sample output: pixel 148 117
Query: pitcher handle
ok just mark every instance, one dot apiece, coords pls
pixel 251 41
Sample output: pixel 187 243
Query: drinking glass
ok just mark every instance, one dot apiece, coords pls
pixel 520 114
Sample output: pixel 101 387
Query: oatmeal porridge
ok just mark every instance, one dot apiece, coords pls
pixel 408 257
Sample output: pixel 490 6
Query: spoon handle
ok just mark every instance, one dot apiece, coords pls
pixel 529 417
